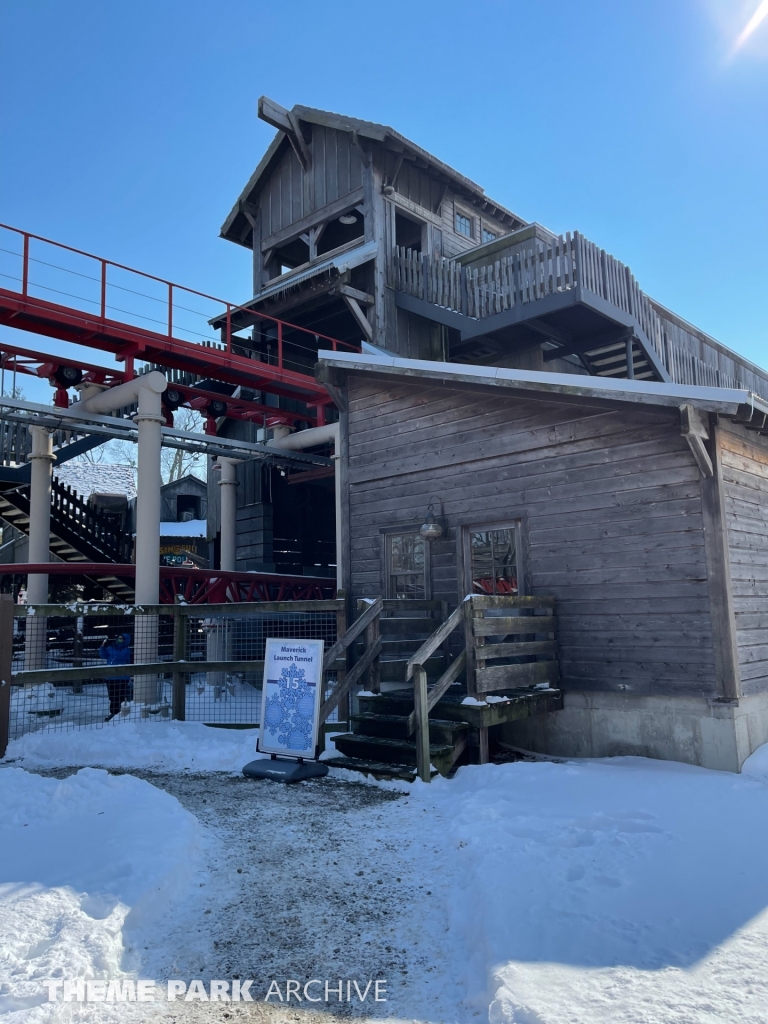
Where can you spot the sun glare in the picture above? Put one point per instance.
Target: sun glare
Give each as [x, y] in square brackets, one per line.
[757, 18]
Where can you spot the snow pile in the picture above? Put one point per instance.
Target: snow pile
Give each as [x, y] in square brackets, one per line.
[87, 865]
[756, 766]
[623, 890]
[155, 745]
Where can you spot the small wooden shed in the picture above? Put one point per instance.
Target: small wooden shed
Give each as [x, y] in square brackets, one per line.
[639, 505]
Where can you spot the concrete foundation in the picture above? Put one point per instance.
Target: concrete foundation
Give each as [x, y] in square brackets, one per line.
[693, 730]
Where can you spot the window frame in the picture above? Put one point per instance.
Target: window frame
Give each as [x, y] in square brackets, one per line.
[516, 523]
[458, 211]
[487, 231]
[386, 534]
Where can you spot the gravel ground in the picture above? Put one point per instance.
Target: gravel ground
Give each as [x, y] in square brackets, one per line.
[326, 879]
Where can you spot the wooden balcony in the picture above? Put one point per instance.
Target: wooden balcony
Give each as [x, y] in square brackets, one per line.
[529, 287]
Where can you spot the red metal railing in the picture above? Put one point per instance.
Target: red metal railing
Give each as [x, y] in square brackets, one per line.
[165, 311]
[194, 586]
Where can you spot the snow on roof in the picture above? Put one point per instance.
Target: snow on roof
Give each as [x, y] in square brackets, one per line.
[89, 478]
[191, 528]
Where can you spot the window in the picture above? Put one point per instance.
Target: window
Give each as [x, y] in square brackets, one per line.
[488, 236]
[406, 566]
[493, 561]
[408, 233]
[187, 507]
[463, 224]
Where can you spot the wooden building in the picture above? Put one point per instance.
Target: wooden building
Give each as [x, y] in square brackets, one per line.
[639, 507]
[573, 433]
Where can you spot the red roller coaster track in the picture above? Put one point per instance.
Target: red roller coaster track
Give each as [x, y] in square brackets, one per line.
[38, 265]
[194, 586]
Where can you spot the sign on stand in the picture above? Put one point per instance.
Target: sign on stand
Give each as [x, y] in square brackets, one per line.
[290, 700]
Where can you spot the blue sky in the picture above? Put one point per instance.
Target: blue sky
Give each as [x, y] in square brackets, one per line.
[129, 128]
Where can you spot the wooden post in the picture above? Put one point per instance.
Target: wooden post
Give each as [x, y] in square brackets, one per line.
[422, 723]
[726, 652]
[469, 641]
[484, 757]
[6, 659]
[179, 697]
[372, 634]
[344, 707]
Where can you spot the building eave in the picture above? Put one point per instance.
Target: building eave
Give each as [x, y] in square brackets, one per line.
[727, 401]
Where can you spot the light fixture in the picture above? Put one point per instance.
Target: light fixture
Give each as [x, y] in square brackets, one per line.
[348, 218]
[432, 528]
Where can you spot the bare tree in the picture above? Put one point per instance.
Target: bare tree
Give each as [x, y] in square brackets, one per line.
[175, 463]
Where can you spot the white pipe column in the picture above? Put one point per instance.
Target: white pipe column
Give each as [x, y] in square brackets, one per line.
[149, 420]
[330, 433]
[217, 645]
[41, 470]
[228, 485]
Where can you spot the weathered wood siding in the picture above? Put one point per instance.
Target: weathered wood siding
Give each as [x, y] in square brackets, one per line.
[610, 501]
[744, 461]
[335, 171]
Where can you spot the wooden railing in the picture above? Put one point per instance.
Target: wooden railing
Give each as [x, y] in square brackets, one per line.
[537, 269]
[70, 509]
[525, 655]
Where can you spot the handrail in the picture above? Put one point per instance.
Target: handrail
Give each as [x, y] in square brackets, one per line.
[332, 655]
[429, 647]
[352, 633]
[424, 698]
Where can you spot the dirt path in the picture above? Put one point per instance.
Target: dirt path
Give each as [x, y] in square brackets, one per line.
[323, 880]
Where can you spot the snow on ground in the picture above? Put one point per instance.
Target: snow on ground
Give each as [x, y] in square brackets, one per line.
[150, 745]
[88, 866]
[621, 891]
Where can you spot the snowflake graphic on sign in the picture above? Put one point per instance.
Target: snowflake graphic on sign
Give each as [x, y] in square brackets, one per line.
[289, 712]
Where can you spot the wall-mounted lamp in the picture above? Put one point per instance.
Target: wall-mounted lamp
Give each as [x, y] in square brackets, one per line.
[348, 218]
[432, 528]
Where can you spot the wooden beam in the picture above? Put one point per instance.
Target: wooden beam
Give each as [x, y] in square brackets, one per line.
[310, 474]
[355, 293]
[287, 123]
[312, 220]
[443, 189]
[359, 316]
[396, 172]
[562, 337]
[578, 346]
[726, 652]
[696, 432]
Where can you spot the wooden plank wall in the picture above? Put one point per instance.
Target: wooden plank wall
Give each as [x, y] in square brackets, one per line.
[744, 461]
[610, 501]
[336, 170]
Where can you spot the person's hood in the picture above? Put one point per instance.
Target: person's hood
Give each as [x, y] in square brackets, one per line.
[127, 638]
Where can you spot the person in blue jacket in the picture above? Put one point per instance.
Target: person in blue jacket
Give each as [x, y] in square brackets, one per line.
[118, 652]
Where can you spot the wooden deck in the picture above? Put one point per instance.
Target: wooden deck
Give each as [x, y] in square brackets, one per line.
[576, 296]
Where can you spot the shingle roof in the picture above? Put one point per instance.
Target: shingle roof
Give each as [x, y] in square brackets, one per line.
[89, 478]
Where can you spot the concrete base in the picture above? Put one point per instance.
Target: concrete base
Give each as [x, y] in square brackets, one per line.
[689, 729]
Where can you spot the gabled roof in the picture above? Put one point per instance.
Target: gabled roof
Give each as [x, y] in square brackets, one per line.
[381, 133]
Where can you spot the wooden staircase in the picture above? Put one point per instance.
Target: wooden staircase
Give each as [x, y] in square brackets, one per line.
[386, 738]
[79, 533]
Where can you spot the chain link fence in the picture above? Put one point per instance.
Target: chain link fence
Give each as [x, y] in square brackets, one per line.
[77, 666]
